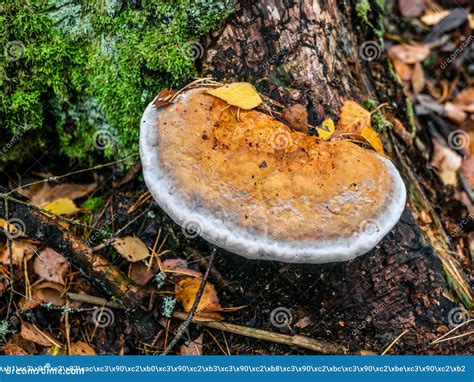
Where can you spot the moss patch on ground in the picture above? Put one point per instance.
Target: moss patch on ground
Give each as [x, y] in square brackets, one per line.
[81, 72]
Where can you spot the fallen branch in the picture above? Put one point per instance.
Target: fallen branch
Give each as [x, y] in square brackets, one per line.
[95, 268]
[264, 335]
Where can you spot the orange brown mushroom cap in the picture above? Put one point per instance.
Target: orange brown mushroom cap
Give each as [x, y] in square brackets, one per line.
[249, 184]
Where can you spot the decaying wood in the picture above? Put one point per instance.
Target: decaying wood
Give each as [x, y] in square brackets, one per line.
[309, 52]
[95, 268]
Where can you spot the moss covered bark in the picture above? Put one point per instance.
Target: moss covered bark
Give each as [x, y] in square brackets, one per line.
[81, 72]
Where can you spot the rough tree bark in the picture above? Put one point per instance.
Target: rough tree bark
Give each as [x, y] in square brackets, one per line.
[309, 52]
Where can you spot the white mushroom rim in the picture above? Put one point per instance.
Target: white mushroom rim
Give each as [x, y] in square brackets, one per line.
[246, 244]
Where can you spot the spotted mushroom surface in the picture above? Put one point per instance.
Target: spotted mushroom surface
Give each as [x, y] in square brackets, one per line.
[249, 184]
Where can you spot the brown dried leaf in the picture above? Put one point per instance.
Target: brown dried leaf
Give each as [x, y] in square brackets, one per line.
[140, 274]
[17, 345]
[446, 161]
[465, 100]
[467, 168]
[193, 347]
[411, 8]
[21, 249]
[46, 292]
[297, 117]
[31, 333]
[51, 266]
[303, 322]
[131, 248]
[454, 113]
[43, 193]
[418, 79]
[410, 54]
[403, 70]
[81, 348]
[432, 18]
[164, 97]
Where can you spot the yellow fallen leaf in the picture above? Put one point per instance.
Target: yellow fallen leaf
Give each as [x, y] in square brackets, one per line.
[241, 94]
[373, 139]
[131, 248]
[186, 290]
[353, 118]
[326, 130]
[61, 206]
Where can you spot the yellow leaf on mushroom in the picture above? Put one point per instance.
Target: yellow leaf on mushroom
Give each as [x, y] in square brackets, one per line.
[61, 206]
[131, 248]
[373, 139]
[241, 94]
[326, 130]
[354, 119]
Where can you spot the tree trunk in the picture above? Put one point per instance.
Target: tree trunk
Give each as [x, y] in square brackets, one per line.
[319, 53]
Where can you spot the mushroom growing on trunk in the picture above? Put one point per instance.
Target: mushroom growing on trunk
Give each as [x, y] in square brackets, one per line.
[248, 183]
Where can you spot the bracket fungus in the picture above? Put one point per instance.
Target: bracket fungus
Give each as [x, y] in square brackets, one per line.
[246, 182]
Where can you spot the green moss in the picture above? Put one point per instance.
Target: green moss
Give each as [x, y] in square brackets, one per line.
[94, 204]
[82, 71]
[362, 9]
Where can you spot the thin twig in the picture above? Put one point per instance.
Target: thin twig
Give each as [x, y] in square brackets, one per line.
[265, 335]
[93, 300]
[182, 328]
[394, 342]
[55, 178]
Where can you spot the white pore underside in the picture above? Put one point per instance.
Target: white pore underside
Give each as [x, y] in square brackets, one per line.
[251, 245]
